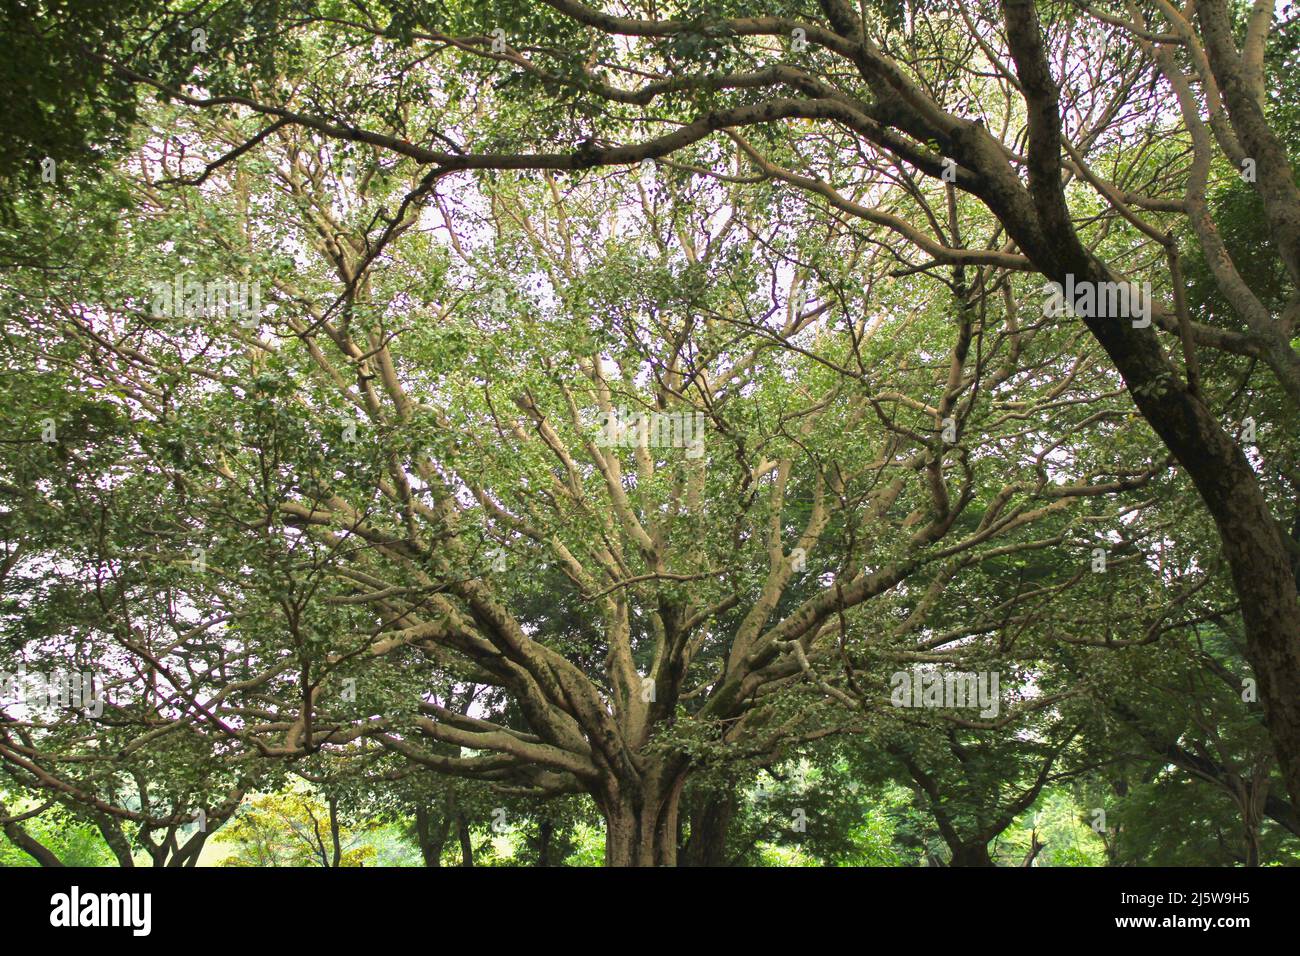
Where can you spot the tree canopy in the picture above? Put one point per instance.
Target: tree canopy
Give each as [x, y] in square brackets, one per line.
[665, 434]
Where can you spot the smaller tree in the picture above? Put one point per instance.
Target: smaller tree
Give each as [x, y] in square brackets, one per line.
[294, 829]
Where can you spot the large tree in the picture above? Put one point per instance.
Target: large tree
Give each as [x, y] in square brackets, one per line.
[402, 467]
[1028, 110]
[591, 448]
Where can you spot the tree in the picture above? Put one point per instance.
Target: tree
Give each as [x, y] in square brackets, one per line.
[707, 524]
[679, 462]
[728, 71]
[294, 829]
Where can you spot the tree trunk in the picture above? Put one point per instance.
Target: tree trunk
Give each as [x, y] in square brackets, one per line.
[431, 836]
[971, 854]
[710, 818]
[1262, 575]
[336, 855]
[188, 854]
[1252, 846]
[545, 831]
[466, 844]
[641, 821]
[1035, 847]
[116, 840]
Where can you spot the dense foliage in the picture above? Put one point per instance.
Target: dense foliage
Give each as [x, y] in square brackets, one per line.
[534, 433]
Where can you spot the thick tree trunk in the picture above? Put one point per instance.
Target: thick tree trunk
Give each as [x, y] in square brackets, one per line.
[641, 821]
[1253, 540]
[117, 841]
[710, 819]
[188, 855]
[971, 854]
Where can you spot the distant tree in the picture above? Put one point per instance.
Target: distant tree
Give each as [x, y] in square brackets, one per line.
[294, 829]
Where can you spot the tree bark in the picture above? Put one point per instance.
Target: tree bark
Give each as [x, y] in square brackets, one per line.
[33, 847]
[1251, 538]
[641, 820]
[116, 840]
[188, 854]
[971, 854]
[710, 819]
[336, 848]
[466, 844]
[1035, 848]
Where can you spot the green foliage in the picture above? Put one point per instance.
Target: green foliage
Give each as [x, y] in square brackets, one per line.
[292, 829]
[373, 538]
